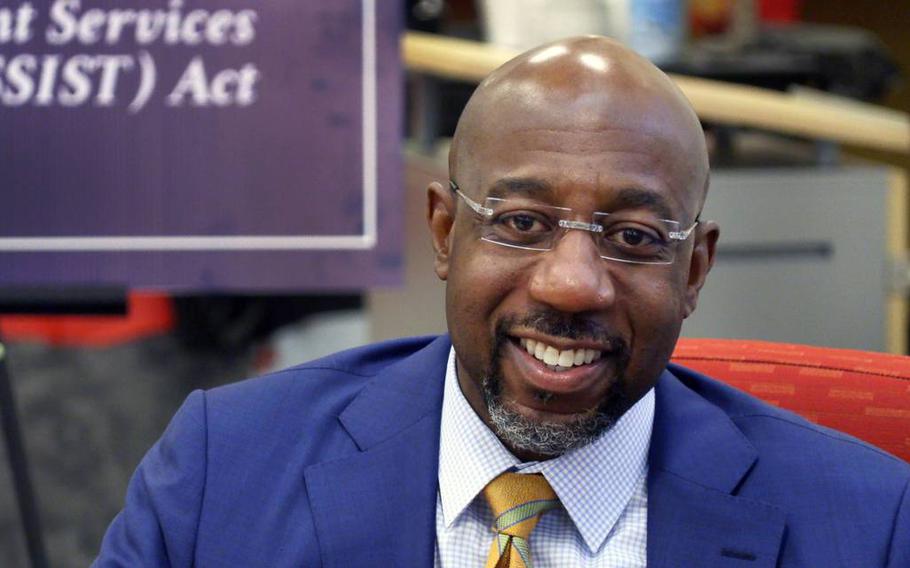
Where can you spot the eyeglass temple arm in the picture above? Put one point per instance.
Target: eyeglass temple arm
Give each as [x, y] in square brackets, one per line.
[683, 235]
[477, 207]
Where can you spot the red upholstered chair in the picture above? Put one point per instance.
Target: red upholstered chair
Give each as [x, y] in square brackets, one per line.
[862, 393]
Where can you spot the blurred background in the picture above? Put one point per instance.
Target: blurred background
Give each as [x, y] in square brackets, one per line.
[268, 209]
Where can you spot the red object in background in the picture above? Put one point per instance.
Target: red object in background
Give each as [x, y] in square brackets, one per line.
[148, 313]
[862, 393]
[710, 17]
[779, 11]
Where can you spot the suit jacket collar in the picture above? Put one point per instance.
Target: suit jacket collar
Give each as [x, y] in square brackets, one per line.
[698, 460]
[378, 507]
[401, 395]
[695, 440]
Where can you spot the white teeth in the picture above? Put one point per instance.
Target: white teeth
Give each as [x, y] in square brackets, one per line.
[555, 358]
[551, 356]
[579, 356]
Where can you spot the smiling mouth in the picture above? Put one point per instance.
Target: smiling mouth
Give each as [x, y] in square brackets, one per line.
[559, 359]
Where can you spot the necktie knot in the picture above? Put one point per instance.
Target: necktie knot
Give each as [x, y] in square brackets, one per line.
[517, 502]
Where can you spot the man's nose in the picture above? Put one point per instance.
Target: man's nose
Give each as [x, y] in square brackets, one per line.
[572, 277]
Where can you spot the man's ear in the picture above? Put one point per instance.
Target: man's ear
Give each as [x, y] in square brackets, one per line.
[441, 219]
[702, 260]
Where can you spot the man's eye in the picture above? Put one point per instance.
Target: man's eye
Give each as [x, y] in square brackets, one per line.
[524, 223]
[634, 237]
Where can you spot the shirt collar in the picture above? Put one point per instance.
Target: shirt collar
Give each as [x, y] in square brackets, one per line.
[594, 482]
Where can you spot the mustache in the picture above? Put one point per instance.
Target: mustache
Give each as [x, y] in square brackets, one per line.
[568, 326]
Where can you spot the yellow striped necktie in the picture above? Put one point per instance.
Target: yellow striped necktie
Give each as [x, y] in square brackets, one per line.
[517, 502]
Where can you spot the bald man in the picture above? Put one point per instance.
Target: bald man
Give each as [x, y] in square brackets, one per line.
[547, 428]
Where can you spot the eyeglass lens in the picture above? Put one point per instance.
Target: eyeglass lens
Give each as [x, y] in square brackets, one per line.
[634, 237]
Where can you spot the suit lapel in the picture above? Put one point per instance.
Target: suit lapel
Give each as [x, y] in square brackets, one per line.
[698, 458]
[378, 507]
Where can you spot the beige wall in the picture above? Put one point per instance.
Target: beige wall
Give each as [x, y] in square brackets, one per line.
[417, 308]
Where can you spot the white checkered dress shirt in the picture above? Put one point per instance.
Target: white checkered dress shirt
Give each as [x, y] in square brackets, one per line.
[602, 487]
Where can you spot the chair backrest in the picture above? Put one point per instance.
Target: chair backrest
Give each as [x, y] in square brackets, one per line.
[862, 393]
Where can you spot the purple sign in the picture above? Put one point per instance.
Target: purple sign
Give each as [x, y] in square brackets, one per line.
[225, 144]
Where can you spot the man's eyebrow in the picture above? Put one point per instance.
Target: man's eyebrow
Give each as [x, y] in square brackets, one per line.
[625, 198]
[525, 187]
[635, 197]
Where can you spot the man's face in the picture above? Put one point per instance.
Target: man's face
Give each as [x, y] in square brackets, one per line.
[567, 299]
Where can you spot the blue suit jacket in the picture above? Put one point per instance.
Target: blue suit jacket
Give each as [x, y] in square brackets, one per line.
[334, 464]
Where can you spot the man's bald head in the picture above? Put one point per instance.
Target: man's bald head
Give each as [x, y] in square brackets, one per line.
[587, 83]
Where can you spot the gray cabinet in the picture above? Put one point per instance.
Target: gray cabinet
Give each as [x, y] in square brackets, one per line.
[806, 255]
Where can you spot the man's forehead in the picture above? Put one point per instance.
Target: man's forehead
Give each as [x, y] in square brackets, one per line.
[602, 197]
[625, 197]
[577, 104]
[591, 168]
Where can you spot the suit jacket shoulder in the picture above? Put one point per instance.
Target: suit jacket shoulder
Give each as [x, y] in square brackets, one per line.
[300, 400]
[836, 501]
[243, 476]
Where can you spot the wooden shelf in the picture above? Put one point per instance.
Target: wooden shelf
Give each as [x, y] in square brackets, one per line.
[824, 117]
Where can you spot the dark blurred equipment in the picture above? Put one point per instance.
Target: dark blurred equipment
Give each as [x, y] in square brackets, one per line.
[63, 300]
[42, 300]
[424, 15]
[232, 323]
[148, 313]
[846, 61]
[226, 325]
[15, 449]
